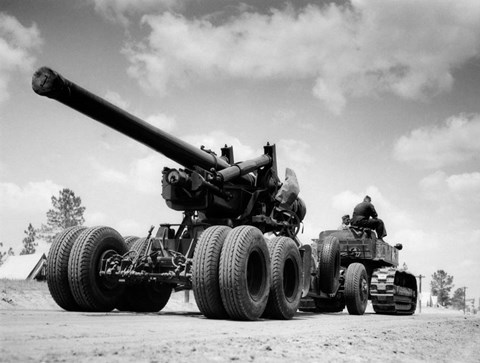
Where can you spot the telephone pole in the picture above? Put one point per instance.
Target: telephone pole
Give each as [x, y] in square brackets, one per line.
[464, 299]
[420, 293]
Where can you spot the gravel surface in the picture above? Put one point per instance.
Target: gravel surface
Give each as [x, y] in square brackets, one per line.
[34, 329]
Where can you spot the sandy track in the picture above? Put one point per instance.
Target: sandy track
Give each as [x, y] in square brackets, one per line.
[34, 329]
[55, 335]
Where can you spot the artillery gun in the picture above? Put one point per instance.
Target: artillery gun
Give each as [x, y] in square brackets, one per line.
[355, 266]
[218, 250]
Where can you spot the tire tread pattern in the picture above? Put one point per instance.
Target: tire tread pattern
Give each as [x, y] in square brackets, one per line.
[82, 270]
[205, 272]
[233, 264]
[278, 307]
[57, 268]
[355, 273]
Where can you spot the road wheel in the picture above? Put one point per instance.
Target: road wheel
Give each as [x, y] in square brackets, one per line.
[135, 243]
[57, 268]
[148, 297]
[285, 289]
[245, 273]
[130, 240]
[90, 290]
[335, 305]
[205, 273]
[356, 289]
[329, 265]
[145, 296]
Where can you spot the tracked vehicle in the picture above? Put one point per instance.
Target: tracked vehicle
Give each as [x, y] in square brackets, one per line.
[355, 266]
[237, 245]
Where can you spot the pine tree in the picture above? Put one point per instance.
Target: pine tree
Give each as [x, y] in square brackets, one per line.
[441, 285]
[29, 243]
[3, 254]
[67, 212]
[458, 299]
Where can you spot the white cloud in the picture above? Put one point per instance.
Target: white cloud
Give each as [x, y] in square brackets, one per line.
[294, 152]
[16, 45]
[405, 47]
[394, 217]
[121, 10]
[33, 197]
[467, 183]
[217, 139]
[163, 122]
[460, 188]
[144, 174]
[454, 142]
[116, 99]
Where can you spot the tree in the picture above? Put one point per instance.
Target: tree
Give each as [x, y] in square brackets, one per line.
[67, 212]
[3, 254]
[441, 285]
[29, 243]
[458, 299]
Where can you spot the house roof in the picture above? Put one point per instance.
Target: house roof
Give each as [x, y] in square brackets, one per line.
[24, 267]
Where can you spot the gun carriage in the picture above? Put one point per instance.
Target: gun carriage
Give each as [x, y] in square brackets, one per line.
[218, 249]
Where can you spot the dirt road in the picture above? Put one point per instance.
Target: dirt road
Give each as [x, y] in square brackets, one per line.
[45, 333]
[54, 336]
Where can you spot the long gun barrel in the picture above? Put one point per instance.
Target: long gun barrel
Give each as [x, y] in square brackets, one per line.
[49, 83]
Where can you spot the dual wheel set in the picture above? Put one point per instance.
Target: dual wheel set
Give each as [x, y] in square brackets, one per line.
[236, 274]
[73, 273]
[349, 285]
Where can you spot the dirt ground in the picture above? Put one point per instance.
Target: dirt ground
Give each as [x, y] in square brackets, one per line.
[34, 329]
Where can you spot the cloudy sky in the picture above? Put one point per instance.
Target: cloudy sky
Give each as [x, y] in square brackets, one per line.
[361, 97]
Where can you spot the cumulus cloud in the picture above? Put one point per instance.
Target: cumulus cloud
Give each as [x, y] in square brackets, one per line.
[121, 10]
[16, 46]
[295, 152]
[397, 218]
[463, 188]
[217, 139]
[162, 121]
[144, 174]
[33, 197]
[453, 142]
[116, 99]
[406, 47]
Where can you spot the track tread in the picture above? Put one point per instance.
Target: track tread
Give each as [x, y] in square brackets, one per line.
[391, 303]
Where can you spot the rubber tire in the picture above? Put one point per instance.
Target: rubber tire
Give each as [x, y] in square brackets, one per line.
[148, 297]
[334, 305]
[124, 301]
[286, 287]
[329, 265]
[245, 273]
[130, 240]
[145, 297]
[356, 289]
[57, 268]
[88, 288]
[205, 272]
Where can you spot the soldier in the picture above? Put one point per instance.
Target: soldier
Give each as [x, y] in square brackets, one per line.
[365, 215]
[345, 222]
